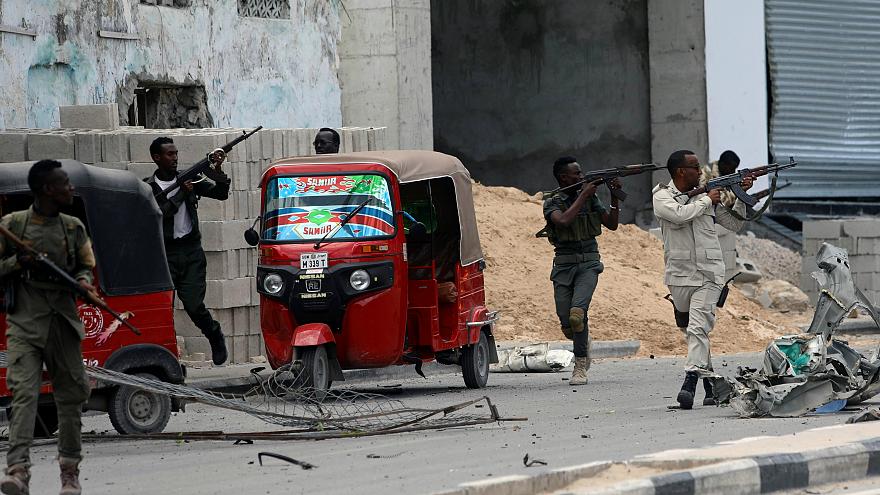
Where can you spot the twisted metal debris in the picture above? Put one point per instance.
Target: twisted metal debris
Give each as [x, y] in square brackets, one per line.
[312, 414]
[812, 371]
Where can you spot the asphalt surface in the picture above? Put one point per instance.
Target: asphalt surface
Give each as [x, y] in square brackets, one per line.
[621, 413]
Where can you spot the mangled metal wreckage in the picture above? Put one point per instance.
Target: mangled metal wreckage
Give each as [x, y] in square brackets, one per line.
[812, 371]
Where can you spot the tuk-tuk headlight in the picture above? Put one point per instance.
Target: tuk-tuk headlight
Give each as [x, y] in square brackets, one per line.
[359, 280]
[273, 283]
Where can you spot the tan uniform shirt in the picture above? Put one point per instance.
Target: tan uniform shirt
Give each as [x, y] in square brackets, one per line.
[690, 244]
[37, 301]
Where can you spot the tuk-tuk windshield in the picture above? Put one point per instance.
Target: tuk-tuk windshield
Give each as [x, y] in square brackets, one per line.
[309, 207]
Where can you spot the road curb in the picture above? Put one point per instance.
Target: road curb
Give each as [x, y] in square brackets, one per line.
[758, 474]
[242, 379]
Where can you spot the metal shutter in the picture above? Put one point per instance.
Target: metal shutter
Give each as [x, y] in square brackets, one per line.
[824, 61]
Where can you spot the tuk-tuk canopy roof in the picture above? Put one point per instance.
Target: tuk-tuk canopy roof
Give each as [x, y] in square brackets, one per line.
[123, 220]
[413, 166]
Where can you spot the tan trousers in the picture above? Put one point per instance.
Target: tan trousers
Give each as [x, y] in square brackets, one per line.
[699, 302]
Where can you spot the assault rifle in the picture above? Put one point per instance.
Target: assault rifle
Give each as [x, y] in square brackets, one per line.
[606, 175]
[734, 180]
[766, 192]
[203, 164]
[65, 277]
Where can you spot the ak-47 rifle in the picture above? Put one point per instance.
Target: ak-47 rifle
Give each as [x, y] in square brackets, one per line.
[65, 277]
[203, 164]
[606, 175]
[733, 181]
[766, 192]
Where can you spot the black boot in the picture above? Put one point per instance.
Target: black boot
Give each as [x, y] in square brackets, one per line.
[710, 393]
[218, 347]
[688, 390]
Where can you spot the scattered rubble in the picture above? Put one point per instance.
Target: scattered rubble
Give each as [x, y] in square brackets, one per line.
[774, 261]
[813, 371]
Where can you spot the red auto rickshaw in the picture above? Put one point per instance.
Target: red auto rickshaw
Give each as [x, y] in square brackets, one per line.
[368, 260]
[132, 276]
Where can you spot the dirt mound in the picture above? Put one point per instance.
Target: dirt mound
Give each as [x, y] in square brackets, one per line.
[628, 304]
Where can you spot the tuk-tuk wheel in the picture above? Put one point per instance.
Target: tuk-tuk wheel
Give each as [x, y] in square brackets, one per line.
[475, 363]
[315, 371]
[46, 423]
[135, 411]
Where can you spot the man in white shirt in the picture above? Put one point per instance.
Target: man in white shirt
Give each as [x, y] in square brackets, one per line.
[183, 246]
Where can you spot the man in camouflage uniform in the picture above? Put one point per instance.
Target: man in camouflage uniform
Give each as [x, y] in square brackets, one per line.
[44, 325]
[574, 218]
[726, 165]
[694, 264]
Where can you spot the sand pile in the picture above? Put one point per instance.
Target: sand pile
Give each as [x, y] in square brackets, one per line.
[628, 303]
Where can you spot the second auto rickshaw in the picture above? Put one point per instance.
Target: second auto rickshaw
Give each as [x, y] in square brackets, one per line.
[369, 260]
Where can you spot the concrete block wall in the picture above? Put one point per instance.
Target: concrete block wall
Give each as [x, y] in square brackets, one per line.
[231, 295]
[860, 237]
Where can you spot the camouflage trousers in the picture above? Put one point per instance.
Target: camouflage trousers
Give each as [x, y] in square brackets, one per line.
[62, 356]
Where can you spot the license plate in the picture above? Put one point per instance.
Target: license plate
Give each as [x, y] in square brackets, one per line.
[309, 261]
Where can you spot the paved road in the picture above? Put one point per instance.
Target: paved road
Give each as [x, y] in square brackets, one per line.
[621, 413]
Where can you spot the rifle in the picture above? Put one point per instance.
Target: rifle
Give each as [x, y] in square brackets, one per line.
[734, 180]
[203, 164]
[766, 192]
[605, 175]
[65, 277]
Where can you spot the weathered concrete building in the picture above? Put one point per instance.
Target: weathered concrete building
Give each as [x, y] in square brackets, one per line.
[186, 63]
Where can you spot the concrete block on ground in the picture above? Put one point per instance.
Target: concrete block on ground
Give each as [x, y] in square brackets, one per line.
[240, 177]
[345, 135]
[239, 350]
[87, 147]
[267, 143]
[185, 327]
[822, 229]
[811, 246]
[847, 243]
[240, 317]
[359, 139]
[255, 346]
[213, 210]
[288, 142]
[222, 265]
[114, 166]
[254, 323]
[867, 281]
[104, 116]
[142, 170]
[864, 263]
[277, 144]
[198, 344]
[862, 227]
[114, 147]
[255, 147]
[221, 236]
[13, 146]
[193, 147]
[230, 293]
[867, 245]
[139, 146]
[55, 146]
[253, 204]
[304, 142]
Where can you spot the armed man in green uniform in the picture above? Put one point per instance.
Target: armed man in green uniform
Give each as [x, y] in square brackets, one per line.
[44, 325]
[574, 219]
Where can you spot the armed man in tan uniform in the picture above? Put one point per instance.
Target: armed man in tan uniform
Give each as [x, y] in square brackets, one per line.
[44, 325]
[727, 164]
[694, 264]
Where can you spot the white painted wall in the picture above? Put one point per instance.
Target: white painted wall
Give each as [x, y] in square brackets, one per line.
[736, 81]
[275, 73]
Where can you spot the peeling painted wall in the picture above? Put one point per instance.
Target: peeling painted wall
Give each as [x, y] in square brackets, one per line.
[276, 73]
[518, 83]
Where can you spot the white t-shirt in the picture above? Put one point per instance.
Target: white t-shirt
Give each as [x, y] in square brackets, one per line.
[182, 222]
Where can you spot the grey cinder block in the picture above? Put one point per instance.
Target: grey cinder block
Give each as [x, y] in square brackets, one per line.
[55, 145]
[104, 116]
[822, 229]
[229, 293]
[13, 146]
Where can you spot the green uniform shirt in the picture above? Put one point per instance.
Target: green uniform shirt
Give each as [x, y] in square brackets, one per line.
[37, 299]
[580, 236]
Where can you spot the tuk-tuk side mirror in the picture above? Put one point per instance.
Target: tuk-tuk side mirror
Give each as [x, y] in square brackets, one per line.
[251, 237]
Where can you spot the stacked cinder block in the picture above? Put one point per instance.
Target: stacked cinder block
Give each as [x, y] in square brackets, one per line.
[91, 134]
[861, 239]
